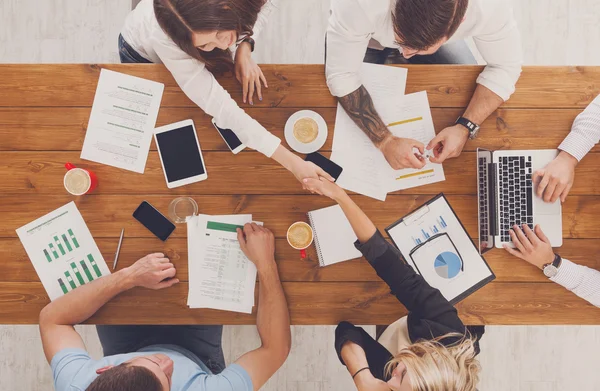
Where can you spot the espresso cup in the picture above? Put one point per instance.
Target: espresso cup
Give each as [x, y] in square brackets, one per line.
[79, 181]
[300, 237]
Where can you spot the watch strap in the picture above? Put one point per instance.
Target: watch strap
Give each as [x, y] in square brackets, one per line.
[251, 41]
[470, 125]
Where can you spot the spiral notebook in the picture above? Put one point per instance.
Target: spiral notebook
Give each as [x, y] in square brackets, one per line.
[333, 236]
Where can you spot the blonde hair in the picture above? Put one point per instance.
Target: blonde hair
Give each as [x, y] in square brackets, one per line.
[432, 366]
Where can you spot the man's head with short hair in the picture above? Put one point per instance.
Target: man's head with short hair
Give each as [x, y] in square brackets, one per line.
[143, 373]
[422, 26]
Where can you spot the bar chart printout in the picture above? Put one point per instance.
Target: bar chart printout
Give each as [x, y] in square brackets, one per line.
[62, 250]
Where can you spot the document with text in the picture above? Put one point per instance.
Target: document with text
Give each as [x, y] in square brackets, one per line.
[122, 121]
[221, 276]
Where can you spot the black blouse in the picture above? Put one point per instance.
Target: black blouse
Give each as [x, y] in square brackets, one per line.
[430, 315]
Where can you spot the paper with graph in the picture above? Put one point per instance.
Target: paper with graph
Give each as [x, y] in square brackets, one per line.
[62, 251]
[365, 169]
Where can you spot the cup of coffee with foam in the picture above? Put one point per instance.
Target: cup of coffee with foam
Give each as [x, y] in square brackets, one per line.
[79, 181]
[300, 236]
[306, 130]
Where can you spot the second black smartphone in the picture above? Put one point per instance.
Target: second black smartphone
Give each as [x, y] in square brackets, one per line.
[327, 165]
[155, 221]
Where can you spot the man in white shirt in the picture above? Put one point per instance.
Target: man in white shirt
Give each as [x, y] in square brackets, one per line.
[556, 179]
[419, 28]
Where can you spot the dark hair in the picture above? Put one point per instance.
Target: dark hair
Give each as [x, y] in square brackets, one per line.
[420, 24]
[179, 19]
[126, 377]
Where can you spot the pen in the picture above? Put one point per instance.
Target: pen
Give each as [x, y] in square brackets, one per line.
[118, 249]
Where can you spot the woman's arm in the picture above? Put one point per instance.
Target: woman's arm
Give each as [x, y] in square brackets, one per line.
[430, 314]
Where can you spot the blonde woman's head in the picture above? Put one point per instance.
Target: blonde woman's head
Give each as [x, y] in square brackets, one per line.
[431, 366]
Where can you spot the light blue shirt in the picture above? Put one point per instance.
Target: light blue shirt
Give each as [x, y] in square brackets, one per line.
[74, 370]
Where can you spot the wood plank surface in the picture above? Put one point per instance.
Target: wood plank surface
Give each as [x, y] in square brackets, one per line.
[63, 128]
[247, 173]
[298, 85]
[106, 215]
[291, 266]
[318, 303]
[44, 111]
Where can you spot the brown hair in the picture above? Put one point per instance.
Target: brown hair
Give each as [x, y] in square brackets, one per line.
[420, 24]
[179, 19]
[126, 377]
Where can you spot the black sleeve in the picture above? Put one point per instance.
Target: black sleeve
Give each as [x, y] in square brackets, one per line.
[377, 355]
[430, 314]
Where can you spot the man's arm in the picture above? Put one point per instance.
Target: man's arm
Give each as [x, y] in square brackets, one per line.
[58, 318]
[556, 179]
[397, 151]
[273, 319]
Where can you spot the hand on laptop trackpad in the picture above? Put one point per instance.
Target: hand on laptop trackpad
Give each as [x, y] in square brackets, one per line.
[545, 208]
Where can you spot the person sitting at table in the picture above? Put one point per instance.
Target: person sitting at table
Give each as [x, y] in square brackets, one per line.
[556, 179]
[162, 358]
[430, 349]
[193, 38]
[421, 32]
[534, 247]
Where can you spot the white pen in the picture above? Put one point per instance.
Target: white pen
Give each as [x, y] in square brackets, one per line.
[118, 249]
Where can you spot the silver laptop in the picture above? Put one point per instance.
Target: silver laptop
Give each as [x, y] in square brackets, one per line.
[506, 196]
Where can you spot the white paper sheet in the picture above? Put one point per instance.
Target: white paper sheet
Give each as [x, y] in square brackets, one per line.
[365, 169]
[122, 121]
[221, 277]
[62, 250]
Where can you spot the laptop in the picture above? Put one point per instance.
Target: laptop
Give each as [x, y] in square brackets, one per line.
[506, 196]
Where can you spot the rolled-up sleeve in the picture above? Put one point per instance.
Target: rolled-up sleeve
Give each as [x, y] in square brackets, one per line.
[348, 35]
[203, 89]
[500, 46]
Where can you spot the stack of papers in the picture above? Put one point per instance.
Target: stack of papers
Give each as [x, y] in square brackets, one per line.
[366, 170]
[220, 275]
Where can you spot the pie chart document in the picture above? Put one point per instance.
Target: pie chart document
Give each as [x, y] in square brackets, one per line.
[434, 242]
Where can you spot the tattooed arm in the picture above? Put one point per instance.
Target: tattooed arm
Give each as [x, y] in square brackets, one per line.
[397, 151]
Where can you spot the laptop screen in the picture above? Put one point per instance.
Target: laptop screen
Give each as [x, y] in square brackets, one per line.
[484, 200]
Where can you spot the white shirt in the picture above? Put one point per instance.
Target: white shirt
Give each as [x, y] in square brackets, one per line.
[145, 35]
[581, 280]
[585, 132]
[355, 25]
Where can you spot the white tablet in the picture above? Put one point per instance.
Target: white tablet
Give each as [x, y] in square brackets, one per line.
[180, 155]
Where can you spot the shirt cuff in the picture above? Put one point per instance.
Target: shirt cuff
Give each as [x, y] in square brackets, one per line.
[341, 85]
[374, 247]
[268, 144]
[576, 145]
[502, 91]
[568, 276]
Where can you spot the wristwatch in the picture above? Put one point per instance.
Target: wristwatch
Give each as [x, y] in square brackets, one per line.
[250, 41]
[551, 269]
[472, 127]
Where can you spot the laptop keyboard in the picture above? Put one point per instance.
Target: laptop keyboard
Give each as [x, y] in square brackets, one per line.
[515, 194]
[483, 199]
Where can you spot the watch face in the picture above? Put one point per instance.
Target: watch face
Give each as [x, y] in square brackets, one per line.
[550, 271]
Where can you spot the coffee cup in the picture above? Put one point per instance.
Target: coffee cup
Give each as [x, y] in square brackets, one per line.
[79, 181]
[306, 130]
[300, 236]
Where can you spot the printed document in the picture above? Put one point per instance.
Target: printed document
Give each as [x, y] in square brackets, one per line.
[122, 121]
[62, 251]
[366, 170]
[220, 275]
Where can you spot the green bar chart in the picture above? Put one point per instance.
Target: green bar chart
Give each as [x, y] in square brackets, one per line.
[86, 270]
[73, 238]
[62, 286]
[77, 273]
[70, 280]
[94, 266]
[62, 245]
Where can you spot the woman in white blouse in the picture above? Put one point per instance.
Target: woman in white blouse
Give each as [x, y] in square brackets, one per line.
[192, 38]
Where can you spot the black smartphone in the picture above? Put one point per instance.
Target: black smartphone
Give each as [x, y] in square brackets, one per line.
[230, 138]
[327, 165]
[155, 221]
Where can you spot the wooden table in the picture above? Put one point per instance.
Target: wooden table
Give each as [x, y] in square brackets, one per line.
[44, 110]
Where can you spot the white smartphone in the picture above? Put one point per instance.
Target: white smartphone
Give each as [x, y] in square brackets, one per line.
[180, 154]
[232, 141]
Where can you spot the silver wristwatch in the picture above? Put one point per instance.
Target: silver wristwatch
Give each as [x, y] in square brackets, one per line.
[551, 269]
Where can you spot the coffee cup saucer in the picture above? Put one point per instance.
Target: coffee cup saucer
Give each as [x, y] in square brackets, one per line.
[301, 147]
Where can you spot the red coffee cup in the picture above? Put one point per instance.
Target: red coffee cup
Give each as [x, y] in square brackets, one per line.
[79, 181]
